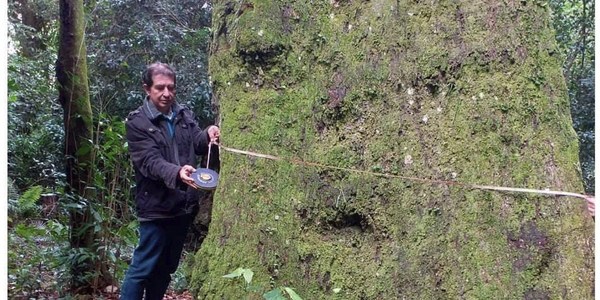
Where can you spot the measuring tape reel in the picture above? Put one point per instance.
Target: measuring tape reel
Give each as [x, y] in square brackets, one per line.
[205, 179]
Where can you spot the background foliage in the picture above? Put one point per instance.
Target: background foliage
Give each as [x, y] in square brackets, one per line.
[574, 24]
[122, 37]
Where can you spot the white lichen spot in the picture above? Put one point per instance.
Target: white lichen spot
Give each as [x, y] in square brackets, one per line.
[261, 33]
[439, 109]
[454, 174]
[276, 218]
[331, 16]
[481, 95]
[408, 160]
[410, 91]
[247, 84]
[425, 118]
[228, 83]
[349, 27]
[411, 102]
[411, 14]
[474, 98]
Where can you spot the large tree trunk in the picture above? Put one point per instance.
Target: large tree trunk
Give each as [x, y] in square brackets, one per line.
[71, 72]
[450, 90]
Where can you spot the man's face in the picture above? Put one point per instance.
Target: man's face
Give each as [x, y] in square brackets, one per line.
[162, 92]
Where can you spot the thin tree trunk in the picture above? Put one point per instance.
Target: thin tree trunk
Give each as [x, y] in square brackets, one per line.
[445, 90]
[71, 72]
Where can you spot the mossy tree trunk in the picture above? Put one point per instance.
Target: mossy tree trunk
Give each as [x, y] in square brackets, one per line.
[451, 90]
[71, 73]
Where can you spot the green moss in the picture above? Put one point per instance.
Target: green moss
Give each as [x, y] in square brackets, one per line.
[449, 91]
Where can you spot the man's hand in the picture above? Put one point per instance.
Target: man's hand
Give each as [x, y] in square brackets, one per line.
[185, 174]
[591, 205]
[214, 133]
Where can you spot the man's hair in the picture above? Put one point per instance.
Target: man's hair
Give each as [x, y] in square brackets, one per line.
[157, 68]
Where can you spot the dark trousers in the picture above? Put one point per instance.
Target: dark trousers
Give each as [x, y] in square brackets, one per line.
[155, 258]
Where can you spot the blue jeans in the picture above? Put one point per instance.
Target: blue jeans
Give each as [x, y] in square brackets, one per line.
[155, 258]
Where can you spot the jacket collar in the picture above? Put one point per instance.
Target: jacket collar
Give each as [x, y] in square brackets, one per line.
[152, 112]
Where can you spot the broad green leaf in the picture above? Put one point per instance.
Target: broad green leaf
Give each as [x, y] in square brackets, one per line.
[274, 294]
[84, 150]
[73, 205]
[292, 294]
[237, 273]
[248, 274]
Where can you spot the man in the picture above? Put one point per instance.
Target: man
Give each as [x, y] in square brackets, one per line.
[164, 141]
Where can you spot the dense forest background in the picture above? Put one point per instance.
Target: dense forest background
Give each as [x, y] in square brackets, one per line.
[122, 36]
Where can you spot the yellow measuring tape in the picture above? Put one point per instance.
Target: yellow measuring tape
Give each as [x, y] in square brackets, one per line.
[471, 186]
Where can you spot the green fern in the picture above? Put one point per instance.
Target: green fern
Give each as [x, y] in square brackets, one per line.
[27, 203]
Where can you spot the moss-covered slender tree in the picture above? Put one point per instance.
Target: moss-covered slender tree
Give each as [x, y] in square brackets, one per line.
[71, 73]
[466, 91]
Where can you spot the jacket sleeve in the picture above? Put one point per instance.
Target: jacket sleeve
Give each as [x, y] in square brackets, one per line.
[200, 137]
[146, 157]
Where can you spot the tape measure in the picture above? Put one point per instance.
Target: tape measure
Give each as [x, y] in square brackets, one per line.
[205, 179]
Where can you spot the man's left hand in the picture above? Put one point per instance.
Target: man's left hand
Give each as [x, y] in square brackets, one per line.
[591, 204]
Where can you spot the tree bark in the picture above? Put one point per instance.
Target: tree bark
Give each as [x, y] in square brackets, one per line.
[446, 90]
[71, 73]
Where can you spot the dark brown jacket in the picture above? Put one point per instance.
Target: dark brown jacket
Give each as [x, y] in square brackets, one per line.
[157, 158]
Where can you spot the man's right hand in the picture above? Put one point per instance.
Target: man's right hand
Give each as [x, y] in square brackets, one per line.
[185, 174]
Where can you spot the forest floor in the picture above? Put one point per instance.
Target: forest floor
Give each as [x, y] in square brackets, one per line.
[36, 265]
[170, 295]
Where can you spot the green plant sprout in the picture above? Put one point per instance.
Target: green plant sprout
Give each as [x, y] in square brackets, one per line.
[274, 294]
